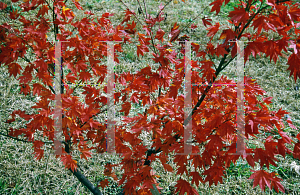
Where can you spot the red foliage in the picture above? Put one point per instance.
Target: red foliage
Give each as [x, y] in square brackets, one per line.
[214, 108]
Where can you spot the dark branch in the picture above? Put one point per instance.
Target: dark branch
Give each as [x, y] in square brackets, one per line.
[86, 182]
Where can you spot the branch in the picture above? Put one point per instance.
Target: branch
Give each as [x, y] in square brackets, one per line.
[95, 190]
[92, 117]
[145, 9]
[193, 19]
[249, 21]
[133, 12]
[21, 140]
[27, 60]
[162, 9]
[142, 9]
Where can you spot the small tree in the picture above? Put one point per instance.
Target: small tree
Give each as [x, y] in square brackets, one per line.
[85, 45]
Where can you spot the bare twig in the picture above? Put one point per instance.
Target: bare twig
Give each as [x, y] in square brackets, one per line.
[142, 9]
[133, 12]
[163, 8]
[145, 9]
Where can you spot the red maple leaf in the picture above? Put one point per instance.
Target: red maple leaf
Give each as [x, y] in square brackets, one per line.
[103, 183]
[206, 21]
[213, 30]
[2, 5]
[294, 67]
[69, 162]
[196, 178]
[160, 34]
[174, 32]
[126, 108]
[85, 76]
[25, 89]
[14, 69]
[239, 15]
[130, 28]
[127, 17]
[263, 178]
[216, 6]
[141, 49]
[183, 186]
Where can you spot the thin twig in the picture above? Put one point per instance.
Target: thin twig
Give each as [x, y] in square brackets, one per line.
[162, 9]
[145, 9]
[21, 140]
[141, 9]
[92, 117]
[132, 12]
[193, 19]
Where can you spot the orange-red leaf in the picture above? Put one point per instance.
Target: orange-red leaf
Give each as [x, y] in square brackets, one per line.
[263, 178]
[183, 186]
[69, 162]
[294, 62]
[126, 108]
[103, 183]
[239, 15]
[160, 34]
[2, 5]
[213, 30]
[14, 69]
[206, 21]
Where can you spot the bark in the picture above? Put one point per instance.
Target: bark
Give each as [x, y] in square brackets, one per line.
[94, 189]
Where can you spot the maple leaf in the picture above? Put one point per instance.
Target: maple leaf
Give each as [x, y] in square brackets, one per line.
[273, 50]
[239, 15]
[206, 21]
[208, 72]
[25, 89]
[14, 14]
[216, 6]
[266, 157]
[183, 186]
[126, 108]
[71, 78]
[220, 50]
[43, 10]
[294, 13]
[196, 178]
[127, 17]
[212, 31]
[263, 178]
[227, 34]
[39, 153]
[174, 32]
[296, 152]
[160, 34]
[2, 5]
[294, 62]
[81, 65]
[69, 162]
[275, 183]
[103, 183]
[85, 153]
[14, 69]
[260, 23]
[194, 26]
[214, 175]
[77, 4]
[37, 88]
[85, 76]
[130, 28]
